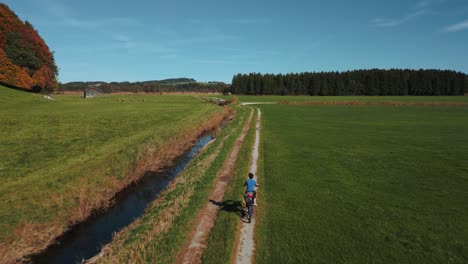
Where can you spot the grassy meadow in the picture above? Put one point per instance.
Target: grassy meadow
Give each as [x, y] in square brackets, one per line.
[62, 158]
[363, 184]
[340, 183]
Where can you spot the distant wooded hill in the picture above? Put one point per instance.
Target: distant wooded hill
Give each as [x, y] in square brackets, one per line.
[167, 85]
[358, 82]
[25, 59]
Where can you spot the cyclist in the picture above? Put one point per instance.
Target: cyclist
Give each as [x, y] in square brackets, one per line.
[250, 185]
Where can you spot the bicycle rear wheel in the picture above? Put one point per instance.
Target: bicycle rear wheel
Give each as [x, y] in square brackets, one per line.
[250, 212]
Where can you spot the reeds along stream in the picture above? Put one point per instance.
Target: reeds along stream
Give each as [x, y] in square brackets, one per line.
[86, 239]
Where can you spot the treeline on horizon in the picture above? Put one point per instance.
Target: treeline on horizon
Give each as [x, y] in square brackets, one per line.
[167, 85]
[357, 82]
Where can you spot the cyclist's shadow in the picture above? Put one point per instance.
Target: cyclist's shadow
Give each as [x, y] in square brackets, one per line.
[231, 206]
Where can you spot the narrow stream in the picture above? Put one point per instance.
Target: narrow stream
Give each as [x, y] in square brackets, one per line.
[86, 240]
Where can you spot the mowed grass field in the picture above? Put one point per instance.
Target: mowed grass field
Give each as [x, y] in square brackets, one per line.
[59, 156]
[363, 184]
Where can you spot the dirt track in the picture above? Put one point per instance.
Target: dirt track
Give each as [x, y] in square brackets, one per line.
[195, 244]
[245, 244]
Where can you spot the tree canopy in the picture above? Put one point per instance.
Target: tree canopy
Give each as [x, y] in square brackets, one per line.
[25, 59]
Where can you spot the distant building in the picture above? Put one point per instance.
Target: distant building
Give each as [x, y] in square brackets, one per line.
[91, 91]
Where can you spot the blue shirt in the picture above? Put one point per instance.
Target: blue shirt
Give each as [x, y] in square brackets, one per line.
[250, 183]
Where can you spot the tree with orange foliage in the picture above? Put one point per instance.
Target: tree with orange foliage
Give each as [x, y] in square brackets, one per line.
[25, 59]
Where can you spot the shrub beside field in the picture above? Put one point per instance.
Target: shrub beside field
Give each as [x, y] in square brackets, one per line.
[360, 184]
[64, 158]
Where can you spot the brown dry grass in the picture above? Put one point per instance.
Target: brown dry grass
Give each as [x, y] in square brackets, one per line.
[234, 100]
[20, 246]
[154, 158]
[162, 222]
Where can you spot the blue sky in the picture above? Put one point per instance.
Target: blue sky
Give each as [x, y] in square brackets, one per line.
[213, 40]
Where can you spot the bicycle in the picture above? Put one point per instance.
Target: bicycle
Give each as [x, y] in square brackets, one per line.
[249, 204]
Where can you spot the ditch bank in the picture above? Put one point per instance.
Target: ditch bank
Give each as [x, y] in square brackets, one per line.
[95, 227]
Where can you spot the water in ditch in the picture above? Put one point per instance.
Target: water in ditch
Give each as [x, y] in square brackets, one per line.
[86, 239]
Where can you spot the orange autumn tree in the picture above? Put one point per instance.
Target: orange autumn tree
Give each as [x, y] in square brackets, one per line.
[25, 59]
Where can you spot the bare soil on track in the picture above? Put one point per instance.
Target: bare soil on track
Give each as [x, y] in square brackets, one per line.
[245, 242]
[195, 243]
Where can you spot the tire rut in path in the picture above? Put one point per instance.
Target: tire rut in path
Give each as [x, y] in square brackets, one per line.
[245, 244]
[195, 244]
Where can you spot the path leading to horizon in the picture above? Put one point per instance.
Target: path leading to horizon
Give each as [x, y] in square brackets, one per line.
[196, 241]
[245, 245]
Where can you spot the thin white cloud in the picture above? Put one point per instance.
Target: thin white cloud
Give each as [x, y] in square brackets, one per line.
[392, 22]
[421, 8]
[100, 23]
[117, 41]
[457, 27]
[58, 13]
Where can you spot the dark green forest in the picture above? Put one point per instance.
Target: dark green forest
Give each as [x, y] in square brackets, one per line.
[358, 82]
[157, 86]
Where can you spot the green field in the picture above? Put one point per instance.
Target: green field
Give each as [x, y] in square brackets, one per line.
[62, 158]
[363, 184]
[340, 183]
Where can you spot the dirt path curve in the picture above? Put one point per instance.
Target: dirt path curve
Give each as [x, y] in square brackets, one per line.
[245, 244]
[195, 244]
